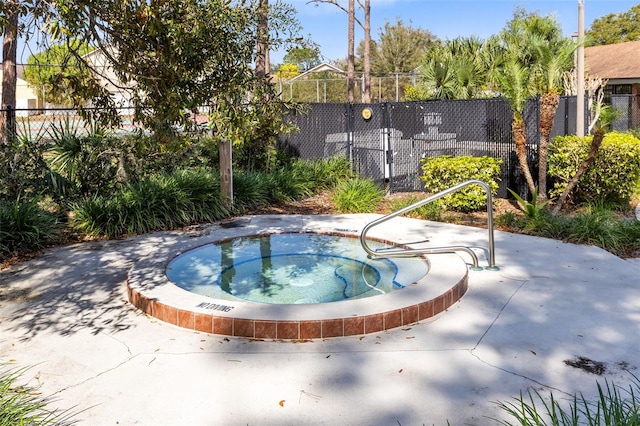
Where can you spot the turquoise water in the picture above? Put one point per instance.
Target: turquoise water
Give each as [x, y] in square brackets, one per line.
[291, 268]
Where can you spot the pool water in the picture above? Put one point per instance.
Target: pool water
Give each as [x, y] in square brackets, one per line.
[291, 268]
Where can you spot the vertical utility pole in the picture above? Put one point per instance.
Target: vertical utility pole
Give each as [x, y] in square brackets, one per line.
[351, 52]
[580, 73]
[367, 52]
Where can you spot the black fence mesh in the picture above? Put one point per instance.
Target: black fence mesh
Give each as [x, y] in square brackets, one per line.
[388, 142]
[389, 145]
[627, 111]
[384, 141]
[319, 131]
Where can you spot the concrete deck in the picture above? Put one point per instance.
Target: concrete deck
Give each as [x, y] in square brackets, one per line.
[66, 314]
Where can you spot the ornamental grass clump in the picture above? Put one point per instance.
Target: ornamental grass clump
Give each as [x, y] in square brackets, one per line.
[357, 196]
[24, 226]
[614, 406]
[23, 405]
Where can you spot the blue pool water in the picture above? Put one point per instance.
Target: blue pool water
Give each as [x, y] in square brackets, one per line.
[291, 268]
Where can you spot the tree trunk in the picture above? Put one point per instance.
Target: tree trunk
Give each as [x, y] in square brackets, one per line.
[598, 136]
[350, 52]
[520, 138]
[367, 51]
[548, 107]
[9, 77]
[262, 54]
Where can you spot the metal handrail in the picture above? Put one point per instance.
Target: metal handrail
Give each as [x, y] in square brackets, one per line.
[435, 250]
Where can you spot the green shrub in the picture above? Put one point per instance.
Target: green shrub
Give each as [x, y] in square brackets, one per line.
[613, 175]
[88, 164]
[251, 191]
[299, 179]
[24, 226]
[324, 173]
[161, 202]
[357, 196]
[24, 172]
[444, 172]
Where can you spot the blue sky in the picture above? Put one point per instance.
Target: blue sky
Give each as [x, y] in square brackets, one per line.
[447, 19]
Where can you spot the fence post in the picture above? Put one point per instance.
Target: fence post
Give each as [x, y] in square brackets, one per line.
[388, 147]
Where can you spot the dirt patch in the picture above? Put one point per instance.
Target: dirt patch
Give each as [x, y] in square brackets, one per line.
[323, 204]
[586, 364]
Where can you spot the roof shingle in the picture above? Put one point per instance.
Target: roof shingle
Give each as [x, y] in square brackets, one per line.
[613, 61]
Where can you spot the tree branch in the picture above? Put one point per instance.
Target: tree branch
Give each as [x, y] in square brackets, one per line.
[339, 6]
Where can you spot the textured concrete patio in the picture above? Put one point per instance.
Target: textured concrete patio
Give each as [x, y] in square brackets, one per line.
[66, 314]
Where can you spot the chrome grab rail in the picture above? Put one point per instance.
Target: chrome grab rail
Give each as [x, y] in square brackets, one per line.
[434, 250]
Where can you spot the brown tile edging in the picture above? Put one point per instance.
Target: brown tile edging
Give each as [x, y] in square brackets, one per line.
[150, 291]
[299, 329]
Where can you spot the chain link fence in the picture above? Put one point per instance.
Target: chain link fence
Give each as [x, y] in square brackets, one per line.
[334, 90]
[43, 124]
[389, 145]
[384, 141]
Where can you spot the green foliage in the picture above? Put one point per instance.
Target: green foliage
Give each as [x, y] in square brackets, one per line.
[324, 173]
[444, 172]
[304, 57]
[614, 406]
[24, 226]
[51, 71]
[595, 224]
[613, 176]
[529, 57]
[399, 48]
[251, 127]
[253, 190]
[615, 27]
[530, 209]
[161, 202]
[456, 69]
[357, 196]
[179, 54]
[88, 163]
[250, 191]
[168, 200]
[24, 172]
[22, 405]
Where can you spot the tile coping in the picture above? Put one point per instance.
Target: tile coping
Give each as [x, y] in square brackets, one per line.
[151, 291]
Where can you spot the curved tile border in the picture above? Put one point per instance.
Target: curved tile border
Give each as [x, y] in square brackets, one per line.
[150, 291]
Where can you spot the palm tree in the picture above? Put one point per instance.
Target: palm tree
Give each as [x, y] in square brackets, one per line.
[456, 70]
[516, 83]
[536, 55]
[554, 58]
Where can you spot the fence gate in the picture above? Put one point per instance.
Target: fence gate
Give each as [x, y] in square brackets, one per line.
[369, 141]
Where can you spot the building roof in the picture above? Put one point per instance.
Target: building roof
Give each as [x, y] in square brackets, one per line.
[613, 61]
[323, 67]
